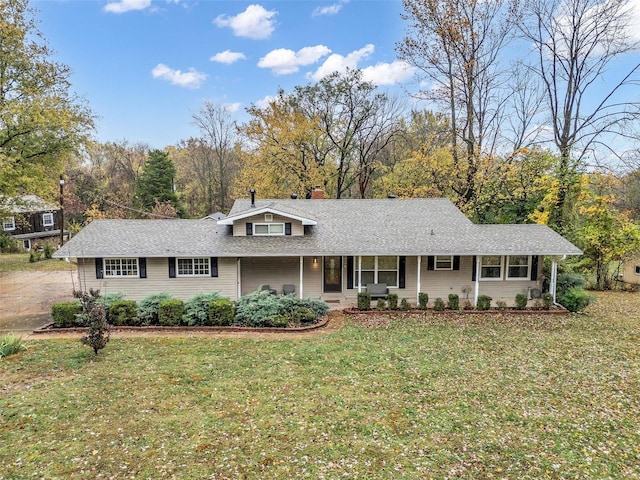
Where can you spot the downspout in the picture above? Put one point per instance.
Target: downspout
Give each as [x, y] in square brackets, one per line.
[554, 280]
[301, 274]
[477, 285]
[238, 279]
[418, 286]
[359, 273]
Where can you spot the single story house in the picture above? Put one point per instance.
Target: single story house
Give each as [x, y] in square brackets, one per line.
[319, 248]
[31, 219]
[631, 271]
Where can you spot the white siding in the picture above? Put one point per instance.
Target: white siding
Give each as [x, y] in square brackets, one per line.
[240, 227]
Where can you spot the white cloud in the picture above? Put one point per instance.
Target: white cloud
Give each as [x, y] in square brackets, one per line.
[264, 102]
[283, 61]
[387, 73]
[339, 63]
[232, 107]
[329, 10]
[227, 57]
[190, 79]
[122, 6]
[255, 22]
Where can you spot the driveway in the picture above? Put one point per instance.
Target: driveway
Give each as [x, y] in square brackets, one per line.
[26, 298]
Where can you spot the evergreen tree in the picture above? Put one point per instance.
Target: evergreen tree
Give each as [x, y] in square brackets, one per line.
[155, 184]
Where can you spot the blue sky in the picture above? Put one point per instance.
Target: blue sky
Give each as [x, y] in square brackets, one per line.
[145, 66]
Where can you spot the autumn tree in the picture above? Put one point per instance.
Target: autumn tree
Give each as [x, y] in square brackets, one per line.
[41, 121]
[576, 44]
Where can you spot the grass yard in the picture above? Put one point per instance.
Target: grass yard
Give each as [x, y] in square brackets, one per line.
[12, 262]
[475, 397]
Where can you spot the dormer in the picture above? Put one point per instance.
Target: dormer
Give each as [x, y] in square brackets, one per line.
[267, 221]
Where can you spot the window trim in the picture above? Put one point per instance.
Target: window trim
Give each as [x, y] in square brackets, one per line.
[637, 270]
[107, 274]
[482, 265]
[435, 262]
[199, 275]
[48, 215]
[507, 265]
[269, 233]
[376, 270]
[7, 221]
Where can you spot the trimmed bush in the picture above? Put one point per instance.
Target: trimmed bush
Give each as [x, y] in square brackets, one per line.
[381, 304]
[123, 312]
[364, 301]
[423, 300]
[547, 301]
[221, 312]
[262, 309]
[392, 298]
[439, 305]
[11, 344]
[149, 306]
[467, 305]
[65, 314]
[454, 302]
[170, 312]
[576, 299]
[521, 301]
[404, 305]
[304, 315]
[196, 309]
[484, 302]
[501, 304]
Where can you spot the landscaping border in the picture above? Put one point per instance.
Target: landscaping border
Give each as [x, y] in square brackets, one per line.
[491, 311]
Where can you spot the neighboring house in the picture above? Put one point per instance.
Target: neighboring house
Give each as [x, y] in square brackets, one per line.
[631, 271]
[319, 248]
[31, 219]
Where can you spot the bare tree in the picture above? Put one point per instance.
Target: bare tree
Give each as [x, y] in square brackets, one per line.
[576, 43]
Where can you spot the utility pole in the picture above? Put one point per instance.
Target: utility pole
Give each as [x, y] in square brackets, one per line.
[61, 210]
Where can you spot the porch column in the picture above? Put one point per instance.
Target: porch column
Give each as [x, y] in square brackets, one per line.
[359, 273]
[475, 295]
[301, 275]
[554, 279]
[238, 279]
[418, 287]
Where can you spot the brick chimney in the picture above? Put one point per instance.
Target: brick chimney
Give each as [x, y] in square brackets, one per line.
[317, 194]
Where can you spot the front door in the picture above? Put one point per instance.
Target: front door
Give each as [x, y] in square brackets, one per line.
[332, 274]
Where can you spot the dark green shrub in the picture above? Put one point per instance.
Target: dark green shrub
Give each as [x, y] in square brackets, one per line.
[439, 305]
[8, 244]
[364, 301]
[319, 307]
[149, 306]
[423, 300]
[576, 299]
[484, 302]
[263, 309]
[221, 312]
[170, 312]
[303, 315]
[392, 298]
[547, 301]
[404, 305]
[64, 314]
[501, 304]
[196, 309]
[521, 301]
[454, 302]
[381, 304]
[280, 321]
[567, 281]
[123, 312]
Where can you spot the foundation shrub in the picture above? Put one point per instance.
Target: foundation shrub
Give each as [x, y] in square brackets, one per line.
[196, 309]
[170, 312]
[576, 299]
[521, 301]
[149, 307]
[221, 312]
[364, 301]
[454, 302]
[467, 305]
[123, 312]
[262, 309]
[501, 305]
[392, 299]
[547, 301]
[404, 305]
[381, 304]
[484, 302]
[65, 314]
[423, 300]
[439, 305]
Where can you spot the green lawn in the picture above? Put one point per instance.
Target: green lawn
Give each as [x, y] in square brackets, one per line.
[11, 262]
[474, 397]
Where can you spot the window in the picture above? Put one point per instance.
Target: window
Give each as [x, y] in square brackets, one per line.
[193, 267]
[9, 224]
[26, 244]
[268, 228]
[47, 219]
[491, 267]
[518, 267]
[120, 267]
[378, 270]
[443, 262]
[637, 269]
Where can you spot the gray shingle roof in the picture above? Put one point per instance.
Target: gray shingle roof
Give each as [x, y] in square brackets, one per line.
[344, 227]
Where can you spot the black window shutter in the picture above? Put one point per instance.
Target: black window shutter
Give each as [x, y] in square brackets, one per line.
[172, 267]
[534, 267]
[287, 228]
[214, 266]
[99, 270]
[142, 267]
[402, 272]
[474, 269]
[249, 228]
[456, 262]
[430, 263]
[350, 272]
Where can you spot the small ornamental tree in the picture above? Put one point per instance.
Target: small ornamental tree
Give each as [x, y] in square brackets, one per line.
[95, 316]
